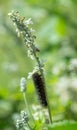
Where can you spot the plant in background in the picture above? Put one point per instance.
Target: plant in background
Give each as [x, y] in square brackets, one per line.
[23, 28]
[42, 119]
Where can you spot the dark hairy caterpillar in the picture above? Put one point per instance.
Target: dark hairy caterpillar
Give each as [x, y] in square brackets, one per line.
[40, 88]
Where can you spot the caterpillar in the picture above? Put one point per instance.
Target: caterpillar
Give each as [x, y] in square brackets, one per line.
[40, 88]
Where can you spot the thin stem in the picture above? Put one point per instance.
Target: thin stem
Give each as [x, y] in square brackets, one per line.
[29, 126]
[28, 109]
[49, 111]
[38, 61]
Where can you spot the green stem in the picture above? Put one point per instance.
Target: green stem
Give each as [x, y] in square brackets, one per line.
[28, 109]
[49, 111]
[29, 126]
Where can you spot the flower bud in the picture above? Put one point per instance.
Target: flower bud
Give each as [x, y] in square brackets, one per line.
[24, 117]
[19, 124]
[22, 84]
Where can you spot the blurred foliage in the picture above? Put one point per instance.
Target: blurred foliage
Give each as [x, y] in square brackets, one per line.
[55, 22]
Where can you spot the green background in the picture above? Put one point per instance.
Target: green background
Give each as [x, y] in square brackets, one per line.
[55, 22]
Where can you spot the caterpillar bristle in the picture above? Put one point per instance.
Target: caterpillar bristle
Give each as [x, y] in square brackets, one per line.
[40, 88]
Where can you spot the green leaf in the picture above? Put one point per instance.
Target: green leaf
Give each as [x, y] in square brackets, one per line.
[64, 125]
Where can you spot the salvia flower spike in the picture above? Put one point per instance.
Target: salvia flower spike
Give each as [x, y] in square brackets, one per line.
[23, 84]
[23, 28]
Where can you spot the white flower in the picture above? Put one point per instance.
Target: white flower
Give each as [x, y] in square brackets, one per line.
[14, 24]
[19, 124]
[23, 84]
[18, 32]
[32, 30]
[30, 54]
[38, 116]
[30, 75]
[29, 21]
[10, 14]
[24, 117]
[35, 115]
[36, 107]
[32, 57]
